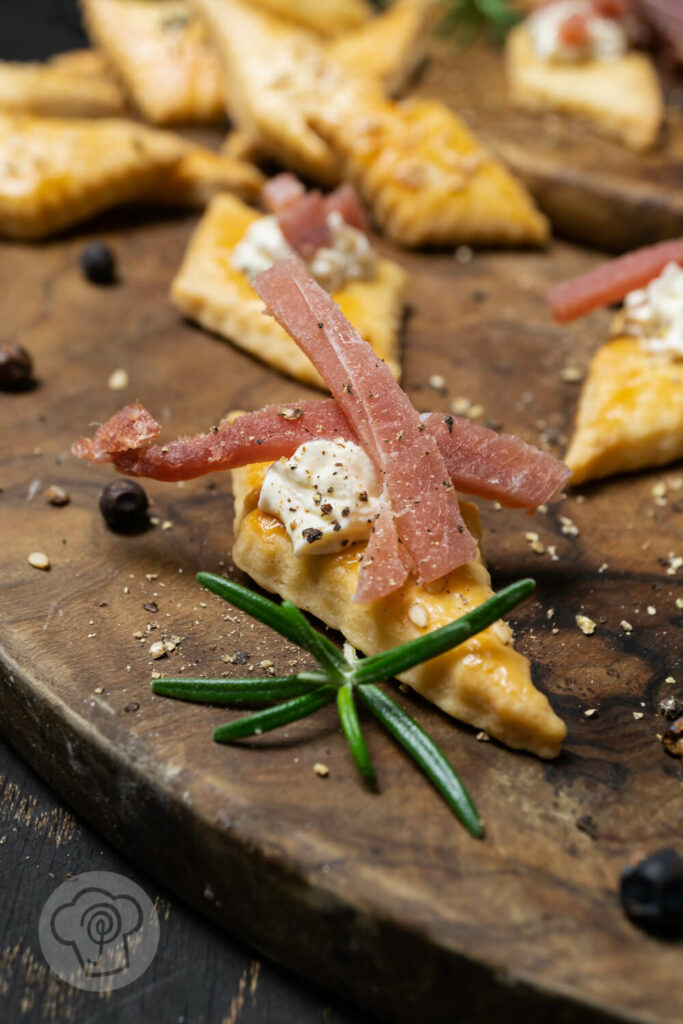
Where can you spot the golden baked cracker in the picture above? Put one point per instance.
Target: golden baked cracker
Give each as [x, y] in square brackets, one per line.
[483, 682]
[55, 172]
[621, 98]
[327, 17]
[390, 47]
[50, 91]
[211, 291]
[200, 174]
[277, 76]
[630, 413]
[161, 54]
[427, 179]
[87, 63]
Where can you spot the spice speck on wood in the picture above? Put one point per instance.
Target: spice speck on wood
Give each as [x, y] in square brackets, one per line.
[16, 368]
[56, 495]
[124, 504]
[651, 893]
[98, 263]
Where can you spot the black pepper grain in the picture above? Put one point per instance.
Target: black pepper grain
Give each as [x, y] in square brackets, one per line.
[98, 263]
[124, 504]
[652, 893]
[16, 368]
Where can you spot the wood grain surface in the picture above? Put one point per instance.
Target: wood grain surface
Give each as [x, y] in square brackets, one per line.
[382, 897]
[595, 191]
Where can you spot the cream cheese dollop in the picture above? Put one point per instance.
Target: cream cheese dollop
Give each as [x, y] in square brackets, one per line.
[326, 495]
[655, 313]
[350, 257]
[606, 37]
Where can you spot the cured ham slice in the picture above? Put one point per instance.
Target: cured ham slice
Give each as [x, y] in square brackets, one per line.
[384, 544]
[344, 200]
[128, 429]
[304, 224]
[413, 471]
[281, 190]
[499, 467]
[611, 281]
[480, 462]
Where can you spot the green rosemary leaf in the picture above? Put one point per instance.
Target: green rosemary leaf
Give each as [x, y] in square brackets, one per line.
[348, 716]
[238, 691]
[427, 755]
[422, 648]
[323, 650]
[467, 18]
[272, 718]
[259, 607]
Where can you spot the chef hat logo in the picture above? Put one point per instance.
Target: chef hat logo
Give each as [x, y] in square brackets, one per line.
[100, 928]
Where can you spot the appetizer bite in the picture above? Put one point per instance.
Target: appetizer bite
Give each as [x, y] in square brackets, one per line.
[630, 412]
[348, 507]
[331, 18]
[425, 178]
[233, 243]
[52, 90]
[575, 56]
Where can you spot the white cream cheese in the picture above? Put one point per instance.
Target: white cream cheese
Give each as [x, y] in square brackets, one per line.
[326, 495]
[606, 37]
[655, 313]
[350, 257]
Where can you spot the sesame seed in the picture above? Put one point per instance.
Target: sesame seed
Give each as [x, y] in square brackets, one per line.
[418, 615]
[118, 380]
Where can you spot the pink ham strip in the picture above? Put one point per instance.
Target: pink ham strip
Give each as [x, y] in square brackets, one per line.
[344, 200]
[384, 544]
[611, 281]
[414, 474]
[280, 191]
[480, 462]
[304, 225]
[128, 429]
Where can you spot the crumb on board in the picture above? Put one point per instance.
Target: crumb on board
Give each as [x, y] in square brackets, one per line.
[637, 715]
[158, 650]
[56, 495]
[590, 712]
[483, 737]
[586, 625]
[39, 560]
[321, 769]
[118, 380]
[626, 626]
[571, 374]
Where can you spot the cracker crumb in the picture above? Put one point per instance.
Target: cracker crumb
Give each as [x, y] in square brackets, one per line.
[637, 715]
[321, 769]
[437, 382]
[586, 625]
[167, 525]
[568, 527]
[118, 380]
[669, 679]
[679, 602]
[626, 626]
[158, 650]
[603, 567]
[483, 737]
[571, 374]
[549, 613]
[590, 712]
[56, 495]
[464, 254]
[99, 689]
[39, 560]
[651, 610]
[460, 405]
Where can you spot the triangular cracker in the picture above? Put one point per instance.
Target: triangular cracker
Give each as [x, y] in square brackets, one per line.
[277, 76]
[389, 48]
[51, 91]
[211, 291]
[630, 413]
[483, 682]
[86, 63]
[427, 179]
[327, 17]
[621, 97]
[201, 174]
[55, 172]
[161, 54]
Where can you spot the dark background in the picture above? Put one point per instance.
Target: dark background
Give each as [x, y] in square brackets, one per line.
[200, 975]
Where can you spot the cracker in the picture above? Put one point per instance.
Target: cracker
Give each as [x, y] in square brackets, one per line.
[621, 98]
[49, 90]
[483, 682]
[211, 291]
[55, 172]
[160, 52]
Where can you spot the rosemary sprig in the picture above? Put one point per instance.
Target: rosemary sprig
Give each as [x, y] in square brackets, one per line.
[342, 676]
[466, 19]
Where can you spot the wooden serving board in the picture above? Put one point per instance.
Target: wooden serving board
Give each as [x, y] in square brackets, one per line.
[384, 897]
[595, 191]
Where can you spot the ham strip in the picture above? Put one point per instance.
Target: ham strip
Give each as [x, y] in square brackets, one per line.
[383, 543]
[304, 224]
[413, 471]
[278, 192]
[480, 462]
[344, 200]
[611, 281]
